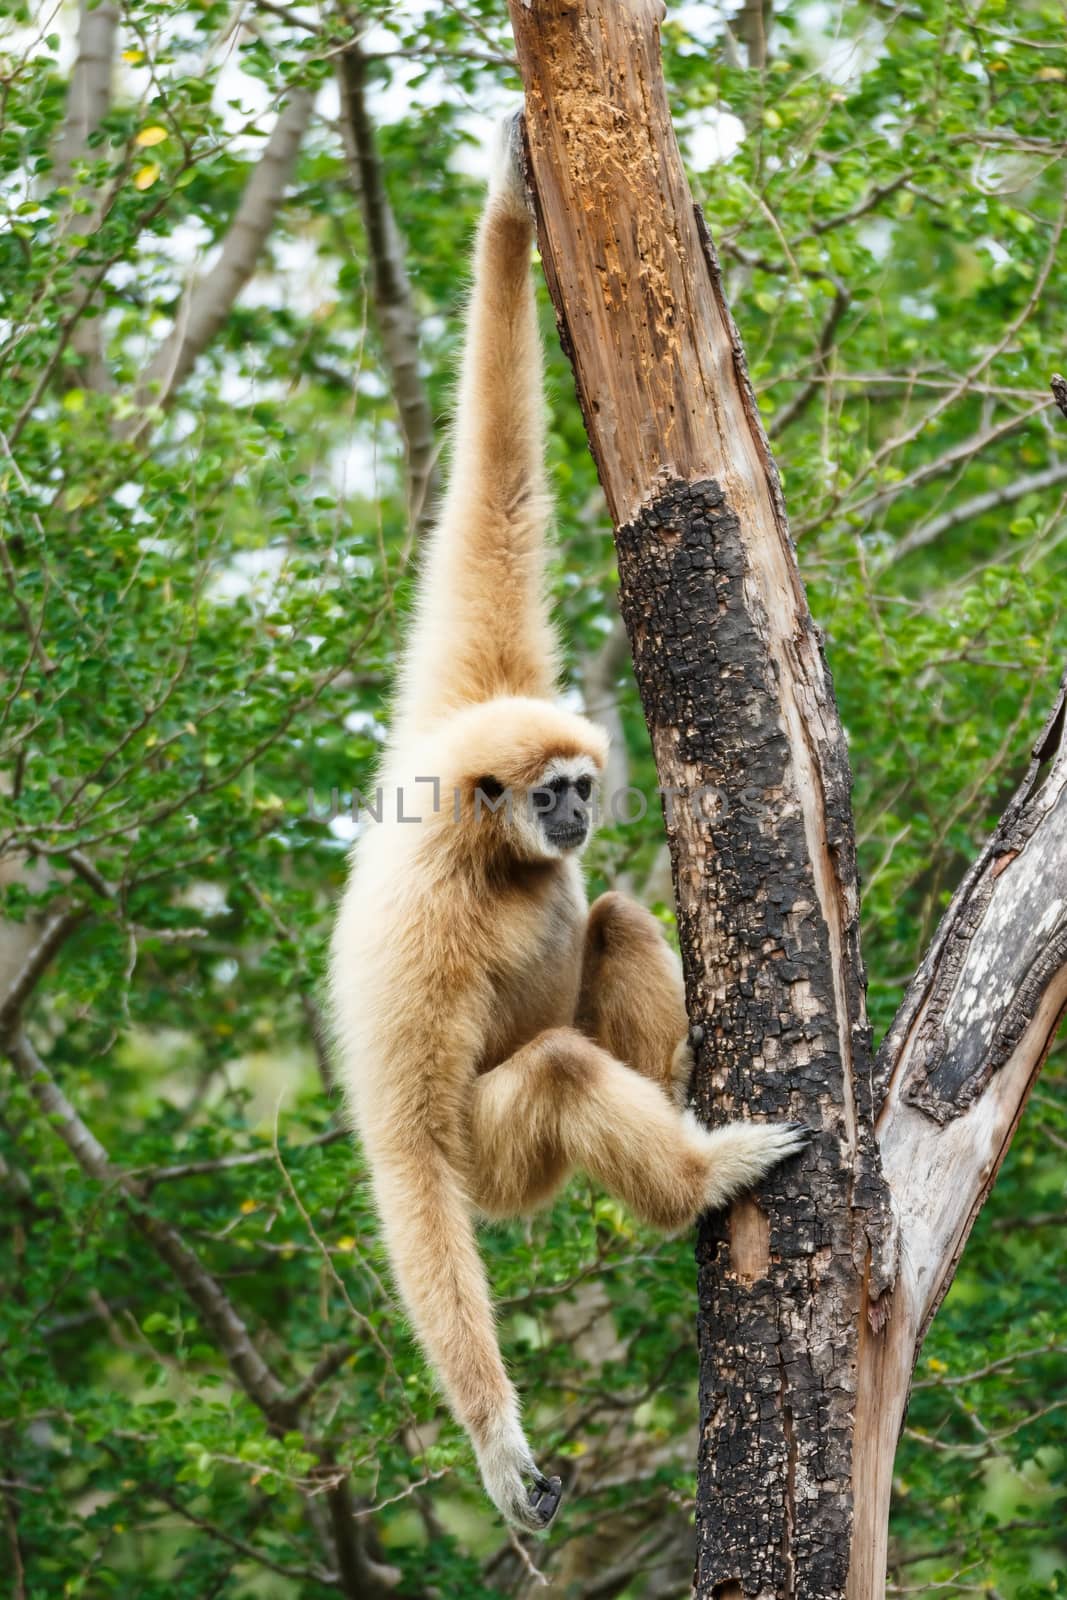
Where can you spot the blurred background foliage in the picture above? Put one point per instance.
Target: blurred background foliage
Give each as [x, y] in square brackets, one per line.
[209, 527]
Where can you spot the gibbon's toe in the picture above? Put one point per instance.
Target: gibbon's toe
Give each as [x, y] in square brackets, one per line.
[530, 1505]
[791, 1138]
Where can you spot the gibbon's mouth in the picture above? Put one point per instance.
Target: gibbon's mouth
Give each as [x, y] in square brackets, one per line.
[567, 838]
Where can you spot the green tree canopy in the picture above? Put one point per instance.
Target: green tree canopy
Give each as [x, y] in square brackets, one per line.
[211, 453]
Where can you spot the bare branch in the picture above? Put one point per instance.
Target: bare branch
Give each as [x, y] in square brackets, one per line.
[330, 1362]
[212, 298]
[958, 1064]
[218, 1311]
[394, 308]
[327, 1579]
[967, 510]
[151, 1176]
[1001, 946]
[47, 937]
[800, 401]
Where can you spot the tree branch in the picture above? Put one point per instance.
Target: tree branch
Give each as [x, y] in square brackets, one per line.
[361, 1576]
[211, 299]
[802, 399]
[150, 1176]
[218, 1311]
[394, 308]
[47, 936]
[957, 1065]
[968, 510]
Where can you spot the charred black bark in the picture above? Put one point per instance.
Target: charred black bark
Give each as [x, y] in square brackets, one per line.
[776, 1402]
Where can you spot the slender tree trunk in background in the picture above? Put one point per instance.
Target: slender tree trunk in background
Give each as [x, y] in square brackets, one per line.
[394, 306]
[808, 1335]
[88, 103]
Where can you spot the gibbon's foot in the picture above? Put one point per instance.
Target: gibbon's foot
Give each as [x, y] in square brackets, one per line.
[681, 1073]
[545, 1497]
[801, 1130]
[507, 180]
[513, 1481]
[744, 1152]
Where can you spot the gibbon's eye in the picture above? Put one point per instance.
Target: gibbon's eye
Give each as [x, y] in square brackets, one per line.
[584, 788]
[556, 786]
[492, 788]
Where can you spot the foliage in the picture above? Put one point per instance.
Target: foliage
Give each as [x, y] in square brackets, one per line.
[202, 600]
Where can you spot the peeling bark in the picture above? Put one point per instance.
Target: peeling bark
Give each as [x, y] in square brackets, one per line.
[944, 1127]
[808, 1327]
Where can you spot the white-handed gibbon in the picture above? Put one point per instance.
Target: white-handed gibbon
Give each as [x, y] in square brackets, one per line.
[494, 1032]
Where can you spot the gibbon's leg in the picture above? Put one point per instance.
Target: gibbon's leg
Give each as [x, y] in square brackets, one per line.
[482, 625]
[632, 1000]
[562, 1102]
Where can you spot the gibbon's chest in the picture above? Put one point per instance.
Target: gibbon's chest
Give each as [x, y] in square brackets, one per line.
[536, 968]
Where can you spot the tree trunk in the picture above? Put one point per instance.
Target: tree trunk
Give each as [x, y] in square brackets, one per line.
[807, 1335]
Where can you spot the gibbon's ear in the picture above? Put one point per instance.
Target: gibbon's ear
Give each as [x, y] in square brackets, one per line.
[492, 788]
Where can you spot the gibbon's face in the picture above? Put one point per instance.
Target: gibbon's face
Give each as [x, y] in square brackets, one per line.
[559, 807]
[548, 819]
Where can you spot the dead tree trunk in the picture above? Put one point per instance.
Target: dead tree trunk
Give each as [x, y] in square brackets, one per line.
[808, 1332]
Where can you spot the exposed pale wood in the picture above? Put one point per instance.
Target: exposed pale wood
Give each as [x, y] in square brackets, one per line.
[997, 964]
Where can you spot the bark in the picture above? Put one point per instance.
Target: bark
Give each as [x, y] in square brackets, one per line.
[801, 1392]
[394, 307]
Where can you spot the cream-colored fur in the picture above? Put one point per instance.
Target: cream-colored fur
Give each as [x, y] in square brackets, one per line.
[494, 1033]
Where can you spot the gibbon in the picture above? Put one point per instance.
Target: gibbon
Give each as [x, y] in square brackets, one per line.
[493, 1032]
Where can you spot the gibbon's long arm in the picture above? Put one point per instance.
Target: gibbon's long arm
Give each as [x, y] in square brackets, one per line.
[429, 1233]
[482, 626]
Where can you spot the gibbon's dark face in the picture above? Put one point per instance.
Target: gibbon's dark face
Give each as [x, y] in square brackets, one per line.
[562, 805]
